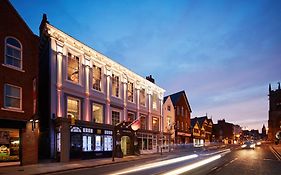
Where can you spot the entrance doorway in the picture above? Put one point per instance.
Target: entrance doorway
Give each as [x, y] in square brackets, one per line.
[126, 145]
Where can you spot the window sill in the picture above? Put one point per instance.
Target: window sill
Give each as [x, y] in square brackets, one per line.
[73, 83]
[116, 97]
[13, 67]
[12, 110]
[97, 91]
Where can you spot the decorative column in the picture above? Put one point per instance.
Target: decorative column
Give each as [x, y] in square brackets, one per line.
[59, 77]
[137, 87]
[149, 94]
[124, 82]
[108, 73]
[87, 89]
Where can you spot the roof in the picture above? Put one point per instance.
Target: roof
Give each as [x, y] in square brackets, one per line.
[193, 121]
[176, 96]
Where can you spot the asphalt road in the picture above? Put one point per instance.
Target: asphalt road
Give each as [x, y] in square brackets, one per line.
[237, 161]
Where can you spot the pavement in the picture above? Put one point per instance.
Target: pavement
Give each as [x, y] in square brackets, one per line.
[54, 167]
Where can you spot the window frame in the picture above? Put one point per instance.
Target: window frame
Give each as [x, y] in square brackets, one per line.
[5, 90]
[95, 66]
[80, 106]
[112, 117]
[154, 101]
[133, 97]
[118, 85]
[103, 112]
[144, 97]
[21, 53]
[79, 68]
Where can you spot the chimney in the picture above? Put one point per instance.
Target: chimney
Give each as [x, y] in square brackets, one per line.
[43, 23]
[149, 78]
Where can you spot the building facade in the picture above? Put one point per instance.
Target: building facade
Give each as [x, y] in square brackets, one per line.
[84, 94]
[274, 113]
[224, 132]
[169, 119]
[18, 90]
[201, 130]
[182, 117]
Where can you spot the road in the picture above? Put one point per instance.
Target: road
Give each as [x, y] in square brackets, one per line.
[222, 162]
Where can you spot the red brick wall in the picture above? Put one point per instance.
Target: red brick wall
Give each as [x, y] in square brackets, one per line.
[13, 25]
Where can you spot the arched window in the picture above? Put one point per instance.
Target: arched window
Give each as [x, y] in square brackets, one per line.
[13, 52]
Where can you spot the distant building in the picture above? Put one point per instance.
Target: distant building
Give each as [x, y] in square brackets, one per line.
[224, 132]
[169, 118]
[274, 114]
[19, 49]
[182, 117]
[201, 130]
[263, 133]
[251, 134]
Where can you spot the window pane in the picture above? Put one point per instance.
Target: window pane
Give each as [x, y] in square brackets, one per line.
[155, 124]
[97, 113]
[130, 92]
[12, 102]
[12, 91]
[98, 146]
[142, 97]
[143, 122]
[73, 68]
[131, 116]
[115, 117]
[115, 85]
[97, 78]
[154, 101]
[13, 42]
[73, 106]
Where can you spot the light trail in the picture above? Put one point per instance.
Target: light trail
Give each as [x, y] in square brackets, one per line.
[192, 166]
[156, 164]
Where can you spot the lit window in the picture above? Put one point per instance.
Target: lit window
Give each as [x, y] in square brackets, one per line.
[143, 122]
[13, 54]
[73, 108]
[142, 97]
[12, 96]
[115, 85]
[98, 144]
[73, 68]
[169, 121]
[108, 143]
[155, 124]
[154, 101]
[97, 113]
[115, 117]
[130, 92]
[87, 143]
[96, 78]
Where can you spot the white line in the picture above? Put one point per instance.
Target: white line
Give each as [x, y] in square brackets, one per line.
[192, 166]
[222, 151]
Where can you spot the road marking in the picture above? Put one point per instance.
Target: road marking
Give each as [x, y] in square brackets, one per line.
[222, 151]
[214, 168]
[233, 160]
[275, 153]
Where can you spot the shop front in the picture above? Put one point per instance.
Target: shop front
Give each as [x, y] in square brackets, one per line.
[183, 137]
[150, 142]
[9, 145]
[87, 142]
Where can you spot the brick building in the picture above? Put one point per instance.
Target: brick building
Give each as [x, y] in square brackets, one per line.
[18, 79]
[274, 113]
[182, 117]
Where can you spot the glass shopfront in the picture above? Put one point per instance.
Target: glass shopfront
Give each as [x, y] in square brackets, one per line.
[89, 142]
[9, 144]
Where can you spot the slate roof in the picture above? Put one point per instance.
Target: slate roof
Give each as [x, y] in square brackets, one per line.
[176, 96]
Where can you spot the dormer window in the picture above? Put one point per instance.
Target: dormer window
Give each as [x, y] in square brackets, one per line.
[13, 52]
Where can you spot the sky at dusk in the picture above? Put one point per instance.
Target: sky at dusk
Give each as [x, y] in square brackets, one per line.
[222, 53]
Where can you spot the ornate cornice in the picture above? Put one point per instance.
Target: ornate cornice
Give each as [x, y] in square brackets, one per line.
[94, 55]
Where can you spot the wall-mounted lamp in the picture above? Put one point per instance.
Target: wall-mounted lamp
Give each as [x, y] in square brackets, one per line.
[33, 123]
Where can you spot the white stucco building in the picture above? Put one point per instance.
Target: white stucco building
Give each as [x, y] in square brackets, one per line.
[84, 94]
